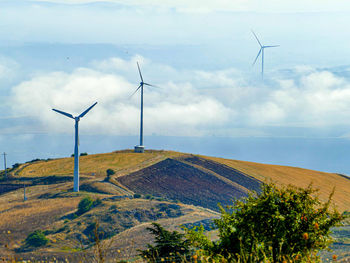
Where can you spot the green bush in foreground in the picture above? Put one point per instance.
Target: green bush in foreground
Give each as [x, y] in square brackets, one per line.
[36, 239]
[278, 224]
[171, 245]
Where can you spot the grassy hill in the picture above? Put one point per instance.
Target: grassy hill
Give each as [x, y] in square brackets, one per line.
[175, 188]
[300, 177]
[126, 162]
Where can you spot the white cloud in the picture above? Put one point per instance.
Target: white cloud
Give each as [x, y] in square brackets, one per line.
[312, 99]
[178, 109]
[267, 113]
[8, 68]
[188, 102]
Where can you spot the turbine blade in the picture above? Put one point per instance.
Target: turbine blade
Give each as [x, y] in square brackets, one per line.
[257, 56]
[87, 110]
[257, 38]
[135, 91]
[138, 66]
[64, 113]
[151, 85]
[271, 46]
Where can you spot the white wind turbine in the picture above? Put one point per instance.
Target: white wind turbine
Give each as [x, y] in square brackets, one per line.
[261, 51]
[140, 148]
[76, 147]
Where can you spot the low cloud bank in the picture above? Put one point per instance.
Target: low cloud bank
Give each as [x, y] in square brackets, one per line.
[188, 102]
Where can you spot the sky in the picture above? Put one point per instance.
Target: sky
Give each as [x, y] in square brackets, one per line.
[211, 99]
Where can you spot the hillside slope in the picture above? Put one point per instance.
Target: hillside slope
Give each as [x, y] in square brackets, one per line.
[204, 185]
[173, 189]
[300, 177]
[241, 175]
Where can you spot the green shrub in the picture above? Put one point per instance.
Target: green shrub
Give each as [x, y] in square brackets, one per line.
[137, 196]
[16, 165]
[36, 239]
[110, 172]
[83, 154]
[170, 245]
[275, 225]
[85, 205]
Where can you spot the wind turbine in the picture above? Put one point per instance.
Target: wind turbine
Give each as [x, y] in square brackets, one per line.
[76, 147]
[261, 51]
[140, 148]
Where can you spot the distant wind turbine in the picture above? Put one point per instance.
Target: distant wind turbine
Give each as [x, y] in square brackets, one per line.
[261, 51]
[76, 148]
[140, 148]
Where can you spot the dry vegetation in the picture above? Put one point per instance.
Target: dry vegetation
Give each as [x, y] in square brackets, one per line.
[176, 180]
[96, 164]
[285, 175]
[51, 205]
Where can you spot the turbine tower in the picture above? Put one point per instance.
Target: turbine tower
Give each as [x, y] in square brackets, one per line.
[76, 147]
[261, 51]
[140, 148]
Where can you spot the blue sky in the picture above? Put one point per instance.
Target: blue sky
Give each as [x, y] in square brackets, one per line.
[68, 54]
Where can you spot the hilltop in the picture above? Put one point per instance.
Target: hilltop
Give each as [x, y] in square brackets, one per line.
[168, 187]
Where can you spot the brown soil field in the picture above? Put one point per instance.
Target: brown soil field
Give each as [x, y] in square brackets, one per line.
[177, 180]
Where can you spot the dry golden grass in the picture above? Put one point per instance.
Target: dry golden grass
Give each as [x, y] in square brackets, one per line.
[22, 218]
[103, 187]
[137, 237]
[96, 163]
[297, 176]
[124, 162]
[34, 192]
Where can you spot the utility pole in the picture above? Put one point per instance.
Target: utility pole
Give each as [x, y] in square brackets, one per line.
[5, 164]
